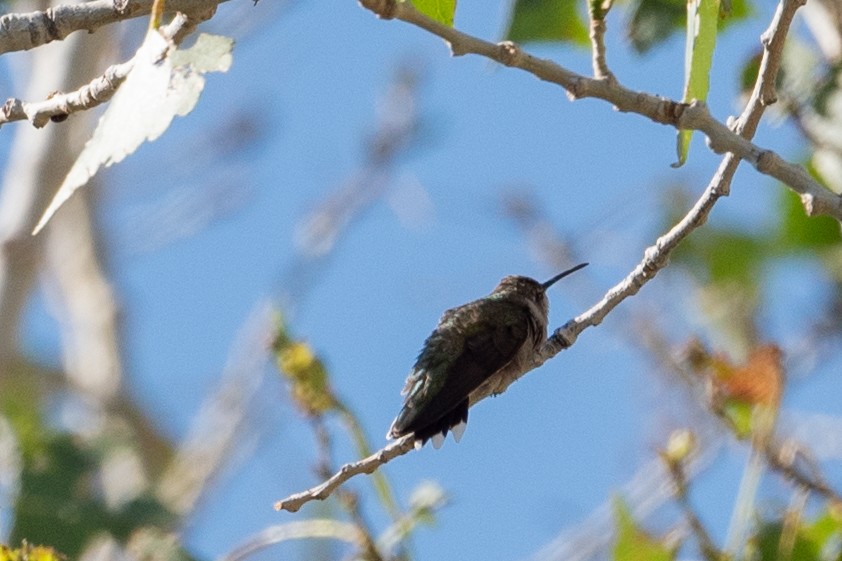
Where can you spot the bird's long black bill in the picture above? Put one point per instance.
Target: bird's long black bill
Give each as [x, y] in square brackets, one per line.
[560, 276]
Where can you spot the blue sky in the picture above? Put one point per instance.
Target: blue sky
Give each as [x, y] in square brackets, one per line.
[565, 438]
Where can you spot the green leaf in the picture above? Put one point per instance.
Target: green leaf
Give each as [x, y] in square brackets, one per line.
[633, 544]
[547, 20]
[162, 84]
[770, 544]
[702, 24]
[440, 10]
[739, 415]
[824, 529]
[799, 232]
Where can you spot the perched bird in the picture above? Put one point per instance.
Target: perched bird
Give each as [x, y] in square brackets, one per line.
[476, 350]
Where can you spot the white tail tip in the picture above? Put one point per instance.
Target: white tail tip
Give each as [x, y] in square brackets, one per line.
[459, 430]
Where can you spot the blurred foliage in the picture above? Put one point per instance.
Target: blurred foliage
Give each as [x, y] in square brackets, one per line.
[730, 262]
[547, 20]
[61, 499]
[632, 542]
[746, 396]
[60, 502]
[799, 233]
[654, 21]
[799, 540]
[305, 372]
[29, 552]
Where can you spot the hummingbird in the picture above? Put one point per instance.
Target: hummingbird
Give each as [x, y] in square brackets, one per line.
[476, 350]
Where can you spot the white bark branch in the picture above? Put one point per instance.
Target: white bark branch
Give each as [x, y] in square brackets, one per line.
[19, 32]
[346, 472]
[97, 91]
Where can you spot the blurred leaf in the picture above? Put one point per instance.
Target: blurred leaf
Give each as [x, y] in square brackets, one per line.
[747, 396]
[164, 83]
[29, 552]
[758, 382]
[826, 530]
[547, 20]
[440, 10]
[739, 416]
[653, 21]
[725, 255]
[306, 373]
[702, 26]
[799, 232]
[813, 541]
[59, 504]
[633, 544]
[750, 71]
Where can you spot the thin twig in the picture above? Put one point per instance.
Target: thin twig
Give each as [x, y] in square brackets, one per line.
[695, 116]
[679, 478]
[346, 472]
[348, 499]
[781, 458]
[97, 91]
[597, 11]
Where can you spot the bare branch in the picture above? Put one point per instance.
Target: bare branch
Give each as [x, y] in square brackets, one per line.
[695, 116]
[346, 472]
[88, 96]
[597, 11]
[782, 458]
[20, 32]
[99, 90]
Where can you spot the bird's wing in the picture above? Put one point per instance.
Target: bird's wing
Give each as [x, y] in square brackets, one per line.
[444, 376]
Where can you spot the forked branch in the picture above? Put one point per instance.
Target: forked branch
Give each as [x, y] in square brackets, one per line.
[655, 257]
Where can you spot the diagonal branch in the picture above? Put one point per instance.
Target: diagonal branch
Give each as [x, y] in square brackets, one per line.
[346, 472]
[695, 116]
[655, 257]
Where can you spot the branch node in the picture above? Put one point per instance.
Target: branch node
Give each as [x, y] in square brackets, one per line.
[12, 107]
[121, 6]
[766, 161]
[809, 202]
[510, 53]
[383, 9]
[578, 88]
[48, 16]
[768, 95]
[766, 38]
[565, 335]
